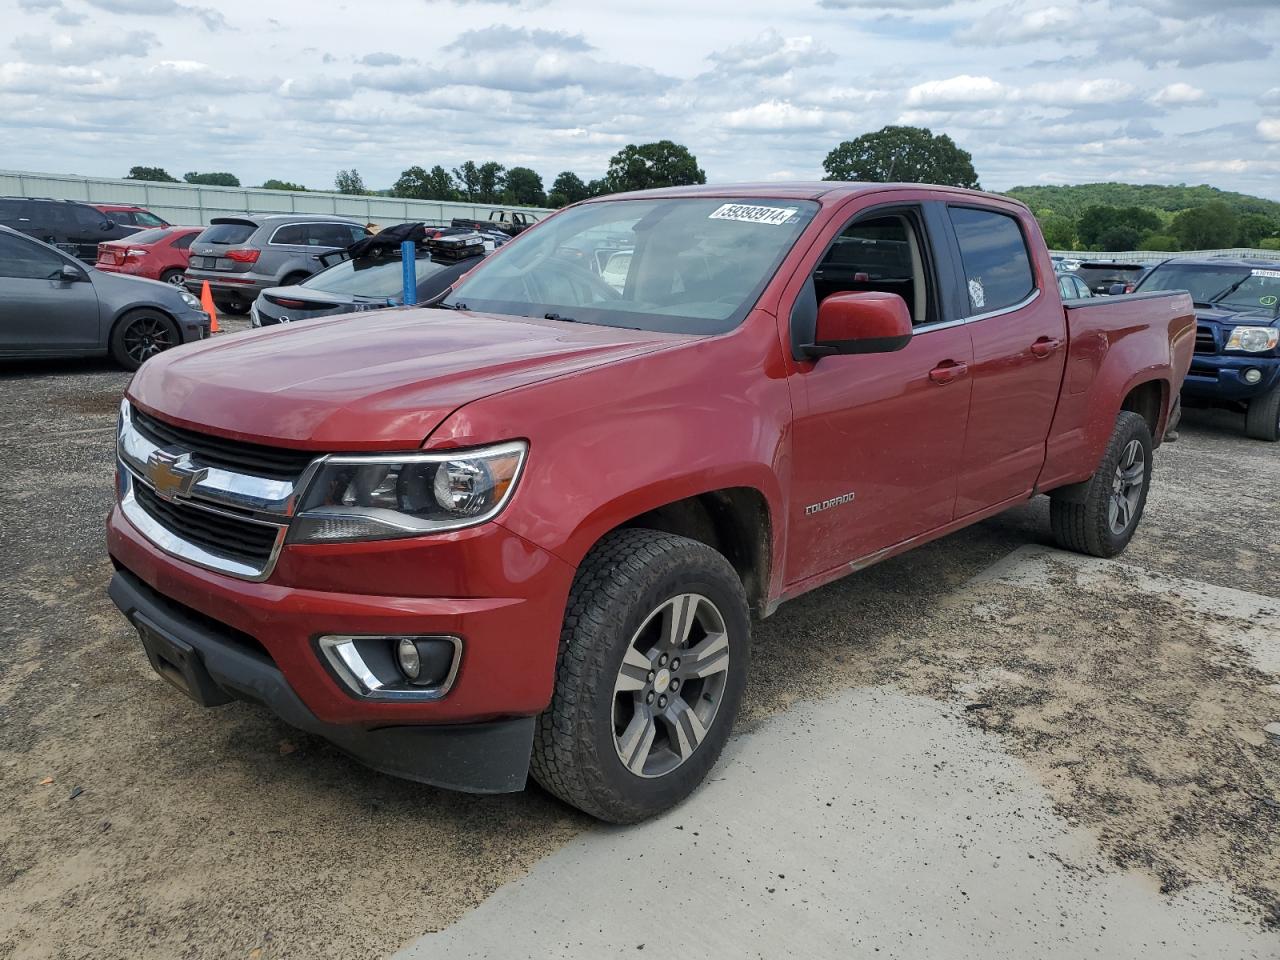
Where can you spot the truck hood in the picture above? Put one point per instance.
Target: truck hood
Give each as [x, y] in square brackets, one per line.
[376, 381]
[1258, 316]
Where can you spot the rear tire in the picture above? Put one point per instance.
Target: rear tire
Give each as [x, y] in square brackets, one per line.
[1262, 419]
[237, 307]
[1101, 519]
[175, 278]
[295, 278]
[140, 335]
[641, 601]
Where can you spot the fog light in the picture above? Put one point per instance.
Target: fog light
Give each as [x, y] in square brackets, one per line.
[410, 662]
[1252, 375]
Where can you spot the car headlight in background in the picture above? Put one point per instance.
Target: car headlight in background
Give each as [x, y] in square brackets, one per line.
[406, 495]
[191, 301]
[1253, 339]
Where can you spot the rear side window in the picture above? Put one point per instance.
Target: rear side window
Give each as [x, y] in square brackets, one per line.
[24, 260]
[294, 233]
[329, 235]
[184, 241]
[227, 233]
[997, 264]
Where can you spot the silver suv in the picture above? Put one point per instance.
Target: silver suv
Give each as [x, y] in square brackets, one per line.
[242, 256]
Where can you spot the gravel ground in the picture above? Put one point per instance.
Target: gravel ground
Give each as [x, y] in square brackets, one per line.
[139, 825]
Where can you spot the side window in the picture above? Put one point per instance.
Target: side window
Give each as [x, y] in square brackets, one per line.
[882, 253]
[293, 233]
[184, 241]
[997, 264]
[144, 219]
[25, 260]
[327, 235]
[355, 233]
[89, 220]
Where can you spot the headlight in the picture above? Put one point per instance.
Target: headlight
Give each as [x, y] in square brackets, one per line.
[1253, 339]
[191, 301]
[406, 495]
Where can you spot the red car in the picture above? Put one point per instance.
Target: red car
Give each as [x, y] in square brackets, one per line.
[527, 531]
[128, 215]
[159, 254]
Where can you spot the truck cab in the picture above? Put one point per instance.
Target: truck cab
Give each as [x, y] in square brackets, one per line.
[1237, 355]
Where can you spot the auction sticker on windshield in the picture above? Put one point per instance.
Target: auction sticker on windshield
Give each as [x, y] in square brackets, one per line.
[748, 213]
[1273, 274]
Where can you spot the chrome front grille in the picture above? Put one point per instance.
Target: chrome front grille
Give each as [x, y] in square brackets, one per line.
[212, 502]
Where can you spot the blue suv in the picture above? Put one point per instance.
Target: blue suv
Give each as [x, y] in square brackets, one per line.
[1237, 356]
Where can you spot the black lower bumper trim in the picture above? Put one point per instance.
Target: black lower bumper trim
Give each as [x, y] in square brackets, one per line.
[212, 666]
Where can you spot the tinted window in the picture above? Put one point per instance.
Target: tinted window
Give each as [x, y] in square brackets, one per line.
[697, 264]
[184, 241]
[88, 218]
[328, 235]
[294, 233]
[11, 209]
[149, 236]
[227, 233]
[997, 266]
[26, 260]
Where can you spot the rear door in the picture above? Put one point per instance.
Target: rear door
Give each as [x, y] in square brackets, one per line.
[878, 437]
[1019, 332]
[38, 310]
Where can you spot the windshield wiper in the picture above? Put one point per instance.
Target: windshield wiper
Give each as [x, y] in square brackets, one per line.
[1230, 290]
[441, 305]
[556, 316]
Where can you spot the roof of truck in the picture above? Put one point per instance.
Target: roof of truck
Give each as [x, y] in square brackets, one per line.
[825, 190]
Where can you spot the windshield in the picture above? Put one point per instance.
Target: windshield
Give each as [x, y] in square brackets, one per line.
[1221, 285]
[1095, 275]
[685, 265]
[377, 280]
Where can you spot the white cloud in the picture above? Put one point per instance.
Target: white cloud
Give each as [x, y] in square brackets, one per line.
[1080, 92]
[1016, 24]
[775, 116]
[1269, 130]
[771, 53]
[1179, 95]
[83, 49]
[963, 90]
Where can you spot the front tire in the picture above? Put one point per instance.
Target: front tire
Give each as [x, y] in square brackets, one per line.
[1101, 519]
[1262, 419]
[652, 619]
[175, 278]
[140, 335]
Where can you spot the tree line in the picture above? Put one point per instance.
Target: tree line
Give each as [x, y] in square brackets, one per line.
[1100, 216]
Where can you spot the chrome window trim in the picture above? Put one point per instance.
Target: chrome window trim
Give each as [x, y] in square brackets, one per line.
[344, 657]
[175, 546]
[1021, 304]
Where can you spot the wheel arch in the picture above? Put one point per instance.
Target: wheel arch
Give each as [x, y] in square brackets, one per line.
[126, 312]
[1150, 400]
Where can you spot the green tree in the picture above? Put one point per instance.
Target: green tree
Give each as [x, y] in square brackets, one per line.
[1255, 227]
[1208, 227]
[648, 165]
[283, 185]
[491, 181]
[524, 186]
[1269, 243]
[1158, 241]
[598, 188]
[154, 174]
[468, 177]
[413, 184]
[1059, 231]
[568, 188]
[440, 185]
[1115, 228]
[350, 181]
[212, 179]
[896, 154]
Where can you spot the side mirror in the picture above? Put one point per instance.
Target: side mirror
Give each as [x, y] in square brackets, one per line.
[68, 274]
[106, 225]
[1116, 290]
[864, 322]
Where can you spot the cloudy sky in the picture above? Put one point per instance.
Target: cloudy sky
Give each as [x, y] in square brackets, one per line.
[1162, 91]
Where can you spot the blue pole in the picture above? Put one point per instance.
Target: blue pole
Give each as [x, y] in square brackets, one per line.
[409, 263]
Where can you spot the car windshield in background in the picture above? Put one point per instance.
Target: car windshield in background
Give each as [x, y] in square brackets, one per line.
[379, 280]
[1221, 285]
[684, 265]
[148, 236]
[1094, 274]
[227, 233]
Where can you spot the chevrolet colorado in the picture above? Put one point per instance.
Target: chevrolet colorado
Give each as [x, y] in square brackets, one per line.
[526, 531]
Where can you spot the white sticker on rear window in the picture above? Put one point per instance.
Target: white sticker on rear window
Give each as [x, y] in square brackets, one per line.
[748, 213]
[977, 295]
[1273, 274]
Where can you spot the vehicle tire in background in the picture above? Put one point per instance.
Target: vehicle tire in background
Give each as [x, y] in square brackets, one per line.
[237, 307]
[140, 335]
[652, 619]
[175, 278]
[1262, 419]
[294, 278]
[1100, 516]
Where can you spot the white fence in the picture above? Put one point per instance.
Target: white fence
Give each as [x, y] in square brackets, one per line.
[1155, 256]
[188, 204]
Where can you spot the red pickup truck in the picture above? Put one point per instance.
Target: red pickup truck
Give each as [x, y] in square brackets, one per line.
[527, 529]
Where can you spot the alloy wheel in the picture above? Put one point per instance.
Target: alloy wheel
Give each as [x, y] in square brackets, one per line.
[1126, 487]
[147, 336]
[670, 685]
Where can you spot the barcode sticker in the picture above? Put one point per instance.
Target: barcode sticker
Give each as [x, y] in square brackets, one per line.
[748, 213]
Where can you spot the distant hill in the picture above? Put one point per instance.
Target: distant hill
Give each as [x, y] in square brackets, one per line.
[1071, 201]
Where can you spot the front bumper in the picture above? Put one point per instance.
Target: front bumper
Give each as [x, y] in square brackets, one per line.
[1220, 377]
[214, 665]
[193, 325]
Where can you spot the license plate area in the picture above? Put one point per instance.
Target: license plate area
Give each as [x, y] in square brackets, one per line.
[179, 663]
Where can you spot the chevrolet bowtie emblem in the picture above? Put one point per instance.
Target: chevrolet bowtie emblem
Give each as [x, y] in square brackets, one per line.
[172, 475]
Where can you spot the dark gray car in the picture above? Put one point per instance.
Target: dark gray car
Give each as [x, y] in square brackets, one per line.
[52, 305]
[240, 257]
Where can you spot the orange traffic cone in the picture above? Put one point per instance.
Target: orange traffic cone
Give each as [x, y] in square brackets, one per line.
[206, 301]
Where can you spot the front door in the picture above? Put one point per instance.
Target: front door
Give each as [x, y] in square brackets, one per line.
[1019, 348]
[877, 437]
[39, 311]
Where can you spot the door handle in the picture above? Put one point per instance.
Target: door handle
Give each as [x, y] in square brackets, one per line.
[947, 371]
[1045, 346]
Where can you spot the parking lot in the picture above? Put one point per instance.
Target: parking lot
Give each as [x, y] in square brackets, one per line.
[982, 748]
